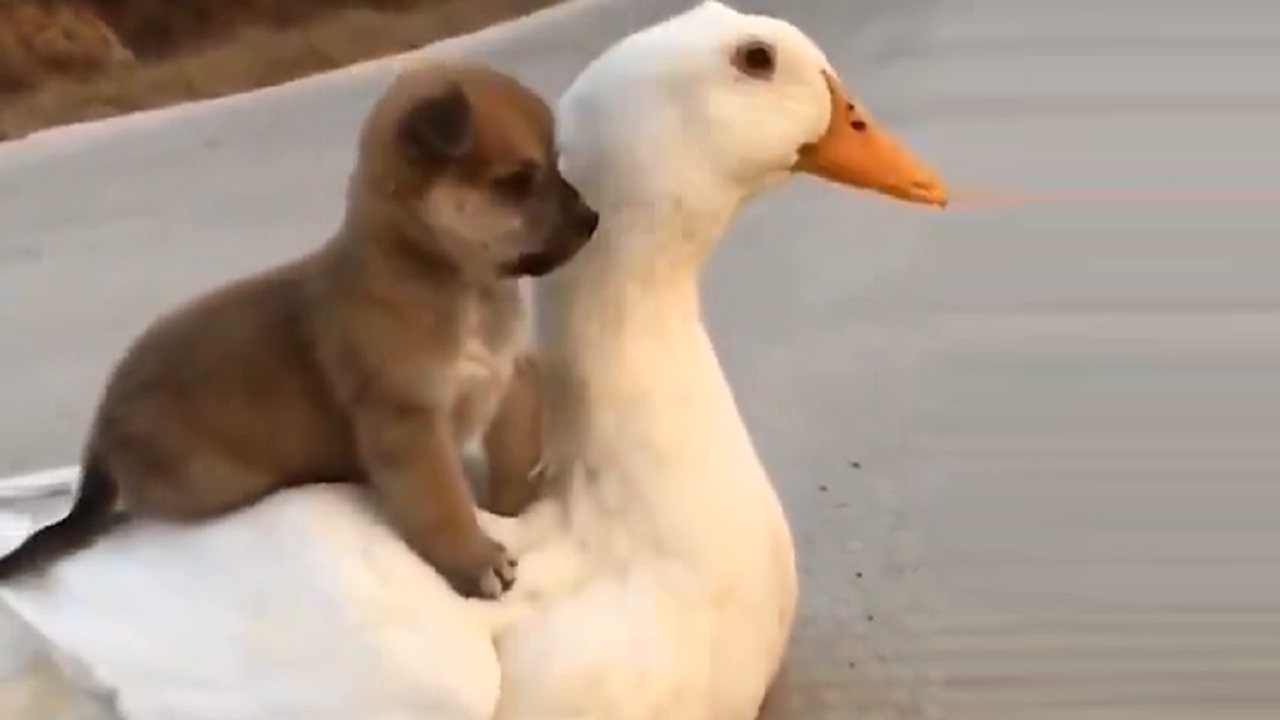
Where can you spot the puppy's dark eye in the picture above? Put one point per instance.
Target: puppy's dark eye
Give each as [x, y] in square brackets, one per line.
[517, 184]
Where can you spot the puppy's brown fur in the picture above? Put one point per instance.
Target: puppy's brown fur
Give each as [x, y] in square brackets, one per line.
[374, 359]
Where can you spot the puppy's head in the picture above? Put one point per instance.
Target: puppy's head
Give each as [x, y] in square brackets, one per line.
[462, 161]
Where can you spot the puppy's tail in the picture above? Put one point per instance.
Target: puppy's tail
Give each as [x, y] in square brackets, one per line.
[93, 515]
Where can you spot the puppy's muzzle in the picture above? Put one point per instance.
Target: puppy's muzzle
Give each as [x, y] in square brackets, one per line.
[579, 224]
[584, 221]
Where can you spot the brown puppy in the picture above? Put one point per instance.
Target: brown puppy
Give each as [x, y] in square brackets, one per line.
[374, 359]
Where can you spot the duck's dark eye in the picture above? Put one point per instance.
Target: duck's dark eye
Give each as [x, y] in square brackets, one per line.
[755, 58]
[517, 184]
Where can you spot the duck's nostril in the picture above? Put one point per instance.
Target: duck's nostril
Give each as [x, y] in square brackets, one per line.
[855, 123]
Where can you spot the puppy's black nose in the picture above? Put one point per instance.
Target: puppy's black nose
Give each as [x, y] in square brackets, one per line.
[586, 220]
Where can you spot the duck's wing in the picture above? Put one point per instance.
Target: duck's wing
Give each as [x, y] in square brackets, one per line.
[32, 686]
[305, 605]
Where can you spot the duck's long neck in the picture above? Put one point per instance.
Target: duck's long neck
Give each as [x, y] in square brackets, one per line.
[632, 376]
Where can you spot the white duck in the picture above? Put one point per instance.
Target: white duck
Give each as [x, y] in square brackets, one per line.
[303, 607]
[665, 559]
[675, 564]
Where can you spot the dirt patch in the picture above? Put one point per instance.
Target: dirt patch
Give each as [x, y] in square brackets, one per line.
[66, 61]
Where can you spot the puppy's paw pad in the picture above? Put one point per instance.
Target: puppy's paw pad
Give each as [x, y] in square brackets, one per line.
[538, 475]
[500, 578]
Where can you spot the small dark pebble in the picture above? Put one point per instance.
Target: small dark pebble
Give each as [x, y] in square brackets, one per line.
[853, 664]
[859, 574]
[822, 488]
[871, 618]
[855, 464]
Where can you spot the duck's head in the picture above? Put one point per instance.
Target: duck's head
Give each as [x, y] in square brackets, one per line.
[714, 105]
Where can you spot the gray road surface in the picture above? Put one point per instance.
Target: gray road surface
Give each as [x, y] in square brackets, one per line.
[1030, 452]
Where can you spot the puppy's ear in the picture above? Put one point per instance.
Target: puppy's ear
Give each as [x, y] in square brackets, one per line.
[438, 127]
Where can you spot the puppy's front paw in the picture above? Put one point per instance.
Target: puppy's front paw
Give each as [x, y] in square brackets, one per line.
[487, 571]
[498, 579]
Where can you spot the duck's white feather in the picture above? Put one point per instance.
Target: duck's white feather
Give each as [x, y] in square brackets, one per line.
[304, 606]
[686, 583]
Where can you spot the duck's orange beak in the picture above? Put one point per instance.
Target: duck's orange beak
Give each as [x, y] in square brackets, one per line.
[855, 152]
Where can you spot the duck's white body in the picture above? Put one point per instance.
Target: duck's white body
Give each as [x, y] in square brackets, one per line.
[667, 551]
[660, 569]
[685, 587]
[303, 607]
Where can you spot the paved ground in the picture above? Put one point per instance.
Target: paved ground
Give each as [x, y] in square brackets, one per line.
[1030, 451]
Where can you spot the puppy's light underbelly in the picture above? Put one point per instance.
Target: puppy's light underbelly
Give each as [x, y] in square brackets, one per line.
[483, 378]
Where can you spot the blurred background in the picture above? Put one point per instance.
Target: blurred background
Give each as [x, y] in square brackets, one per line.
[65, 61]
